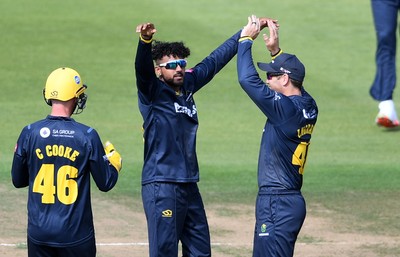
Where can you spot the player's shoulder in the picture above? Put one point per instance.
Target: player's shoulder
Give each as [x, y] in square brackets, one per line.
[33, 125]
[81, 132]
[68, 125]
[305, 99]
[85, 129]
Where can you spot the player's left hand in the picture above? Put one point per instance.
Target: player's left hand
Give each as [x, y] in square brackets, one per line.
[113, 156]
[252, 29]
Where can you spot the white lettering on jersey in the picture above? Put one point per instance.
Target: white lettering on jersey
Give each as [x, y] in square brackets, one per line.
[277, 96]
[63, 133]
[309, 115]
[185, 110]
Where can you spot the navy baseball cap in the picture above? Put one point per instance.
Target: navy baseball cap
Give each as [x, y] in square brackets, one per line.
[285, 63]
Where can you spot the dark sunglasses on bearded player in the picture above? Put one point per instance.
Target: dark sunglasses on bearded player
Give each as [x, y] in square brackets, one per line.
[172, 65]
[270, 75]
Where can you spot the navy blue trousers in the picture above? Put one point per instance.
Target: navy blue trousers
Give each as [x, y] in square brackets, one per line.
[175, 212]
[385, 20]
[279, 218]
[86, 249]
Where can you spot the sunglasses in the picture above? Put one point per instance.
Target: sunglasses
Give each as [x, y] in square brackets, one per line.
[271, 75]
[172, 65]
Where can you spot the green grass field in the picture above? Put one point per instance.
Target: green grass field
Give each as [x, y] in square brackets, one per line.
[353, 166]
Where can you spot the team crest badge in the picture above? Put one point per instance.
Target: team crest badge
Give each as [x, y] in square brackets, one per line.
[77, 80]
[45, 132]
[263, 230]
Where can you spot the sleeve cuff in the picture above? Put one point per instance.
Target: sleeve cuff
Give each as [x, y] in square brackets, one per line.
[245, 38]
[277, 54]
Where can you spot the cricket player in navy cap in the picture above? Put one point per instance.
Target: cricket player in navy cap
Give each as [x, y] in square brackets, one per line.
[291, 116]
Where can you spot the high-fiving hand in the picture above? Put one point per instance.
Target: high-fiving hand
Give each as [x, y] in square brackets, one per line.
[272, 41]
[255, 25]
[252, 29]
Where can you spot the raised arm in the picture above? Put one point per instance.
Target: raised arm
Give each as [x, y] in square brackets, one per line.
[144, 67]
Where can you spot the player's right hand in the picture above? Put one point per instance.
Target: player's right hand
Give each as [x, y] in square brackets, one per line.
[146, 30]
[113, 156]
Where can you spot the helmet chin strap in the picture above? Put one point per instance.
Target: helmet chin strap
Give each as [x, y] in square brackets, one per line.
[48, 102]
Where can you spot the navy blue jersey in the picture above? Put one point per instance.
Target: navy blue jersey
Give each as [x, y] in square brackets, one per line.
[287, 132]
[55, 158]
[170, 120]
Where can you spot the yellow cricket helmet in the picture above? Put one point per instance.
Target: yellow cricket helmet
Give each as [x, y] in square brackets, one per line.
[64, 84]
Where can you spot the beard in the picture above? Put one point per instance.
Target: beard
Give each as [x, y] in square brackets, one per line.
[176, 81]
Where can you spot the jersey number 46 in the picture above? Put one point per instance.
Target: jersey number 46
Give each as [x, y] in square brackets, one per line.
[66, 187]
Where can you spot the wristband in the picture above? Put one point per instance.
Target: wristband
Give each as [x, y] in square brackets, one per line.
[147, 41]
[277, 54]
[245, 38]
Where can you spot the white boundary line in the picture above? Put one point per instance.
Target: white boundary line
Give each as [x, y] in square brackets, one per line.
[110, 244]
[212, 244]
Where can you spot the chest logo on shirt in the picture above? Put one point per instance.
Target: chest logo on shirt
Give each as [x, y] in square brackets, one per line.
[184, 109]
[45, 132]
